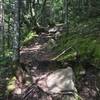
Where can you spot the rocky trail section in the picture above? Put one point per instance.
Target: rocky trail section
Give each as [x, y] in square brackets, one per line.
[52, 80]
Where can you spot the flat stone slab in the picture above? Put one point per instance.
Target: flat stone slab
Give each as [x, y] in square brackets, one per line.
[58, 81]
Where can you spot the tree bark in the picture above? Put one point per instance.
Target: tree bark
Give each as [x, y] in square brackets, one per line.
[16, 38]
[2, 45]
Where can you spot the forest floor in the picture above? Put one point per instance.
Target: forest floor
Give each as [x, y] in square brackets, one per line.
[37, 49]
[37, 54]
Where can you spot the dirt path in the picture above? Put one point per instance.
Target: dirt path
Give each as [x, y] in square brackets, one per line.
[37, 50]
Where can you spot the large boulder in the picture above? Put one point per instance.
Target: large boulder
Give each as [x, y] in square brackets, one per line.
[58, 82]
[61, 80]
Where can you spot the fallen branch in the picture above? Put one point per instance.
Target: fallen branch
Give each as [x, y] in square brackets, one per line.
[62, 53]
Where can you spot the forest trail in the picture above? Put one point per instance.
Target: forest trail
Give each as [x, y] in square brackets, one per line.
[37, 50]
[37, 55]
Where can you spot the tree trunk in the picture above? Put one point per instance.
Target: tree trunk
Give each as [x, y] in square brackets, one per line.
[43, 16]
[16, 37]
[1, 28]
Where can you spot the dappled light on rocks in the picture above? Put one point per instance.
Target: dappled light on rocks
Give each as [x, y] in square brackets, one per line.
[49, 49]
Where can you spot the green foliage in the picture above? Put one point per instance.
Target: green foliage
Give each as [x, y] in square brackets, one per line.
[11, 84]
[86, 46]
[29, 38]
[82, 38]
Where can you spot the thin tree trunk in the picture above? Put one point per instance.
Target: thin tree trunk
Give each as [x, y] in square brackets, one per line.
[16, 42]
[2, 45]
[43, 16]
[8, 35]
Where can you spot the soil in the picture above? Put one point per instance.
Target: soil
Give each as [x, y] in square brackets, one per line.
[36, 61]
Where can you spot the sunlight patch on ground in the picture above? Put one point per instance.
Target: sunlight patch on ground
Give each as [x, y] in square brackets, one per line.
[32, 49]
[11, 84]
